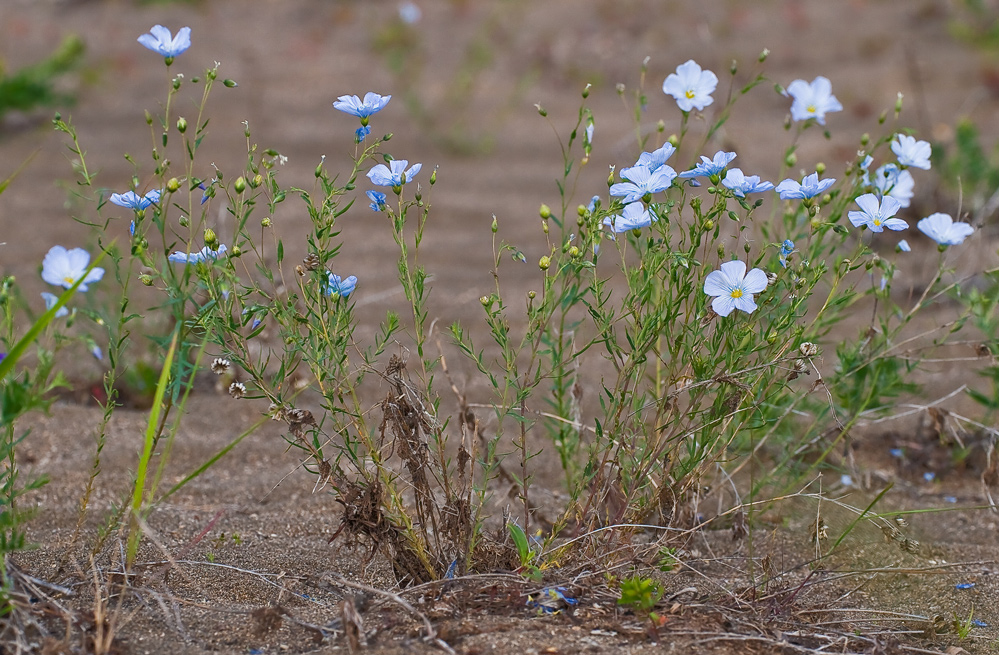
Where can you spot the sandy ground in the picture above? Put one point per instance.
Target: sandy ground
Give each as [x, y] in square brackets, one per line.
[494, 155]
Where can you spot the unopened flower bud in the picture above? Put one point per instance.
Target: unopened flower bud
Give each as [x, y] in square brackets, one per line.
[175, 83]
[149, 118]
[495, 225]
[545, 212]
[544, 263]
[586, 91]
[673, 140]
[541, 110]
[532, 294]
[581, 210]
[898, 103]
[236, 251]
[210, 239]
[573, 252]
[763, 55]
[865, 138]
[257, 180]
[661, 126]
[172, 185]
[184, 221]
[734, 68]
[239, 185]
[181, 124]
[433, 177]
[820, 168]
[791, 159]
[229, 84]
[709, 224]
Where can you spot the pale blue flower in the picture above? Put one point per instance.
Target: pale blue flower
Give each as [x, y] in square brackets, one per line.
[342, 288]
[62, 268]
[588, 140]
[360, 133]
[372, 104]
[911, 152]
[708, 167]
[96, 351]
[653, 160]
[132, 200]
[890, 180]
[903, 246]
[205, 253]
[942, 229]
[593, 204]
[877, 215]
[786, 249]
[392, 175]
[50, 300]
[733, 288]
[160, 40]
[635, 216]
[809, 188]
[131, 229]
[741, 184]
[409, 13]
[642, 181]
[207, 190]
[690, 86]
[812, 100]
[377, 199]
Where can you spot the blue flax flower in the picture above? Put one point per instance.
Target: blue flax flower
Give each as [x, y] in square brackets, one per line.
[812, 100]
[942, 229]
[50, 300]
[690, 86]
[709, 167]
[360, 133]
[377, 199]
[62, 268]
[877, 215]
[642, 181]
[160, 40]
[903, 246]
[392, 175]
[410, 13]
[741, 184]
[634, 217]
[810, 187]
[341, 288]
[911, 152]
[132, 200]
[657, 158]
[786, 249]
[733, 288]
[205, 253]
[551, 600]
[372, 104]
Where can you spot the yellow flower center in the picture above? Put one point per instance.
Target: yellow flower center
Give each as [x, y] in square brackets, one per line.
[810, 109]
[737, 293]
[69, 280]
[877, 222]
[690, 94]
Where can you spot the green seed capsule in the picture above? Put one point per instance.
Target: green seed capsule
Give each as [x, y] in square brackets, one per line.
[239, 185]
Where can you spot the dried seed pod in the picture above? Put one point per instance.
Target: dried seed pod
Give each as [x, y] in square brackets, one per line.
[311, 261]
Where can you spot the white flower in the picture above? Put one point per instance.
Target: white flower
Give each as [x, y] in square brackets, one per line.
[634, 217]
[911, 152]
[690, 86]
[942, 229]
[63, 268]
[734, 288]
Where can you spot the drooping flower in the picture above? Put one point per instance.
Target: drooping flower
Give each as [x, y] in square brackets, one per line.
[377, 199]
[62, 268]
[708, 167]
[812, 100]
[392, 175]
[178, 257]
[50, 300]
[642, 181]
[360, 133]
[903, 246]
[810, 187]
[96, 351]
[942, 229]
[593, 204]
[691, 86]
[372, 104]
[160, 40]
[911, 152]
[635, 216]
[132, 200]
[786, 249]
[342, 288]
[733, 288]
[588, 140]
[890, 180]
[740, 184]
[653, 160]
[877, 215]
[207, 190]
